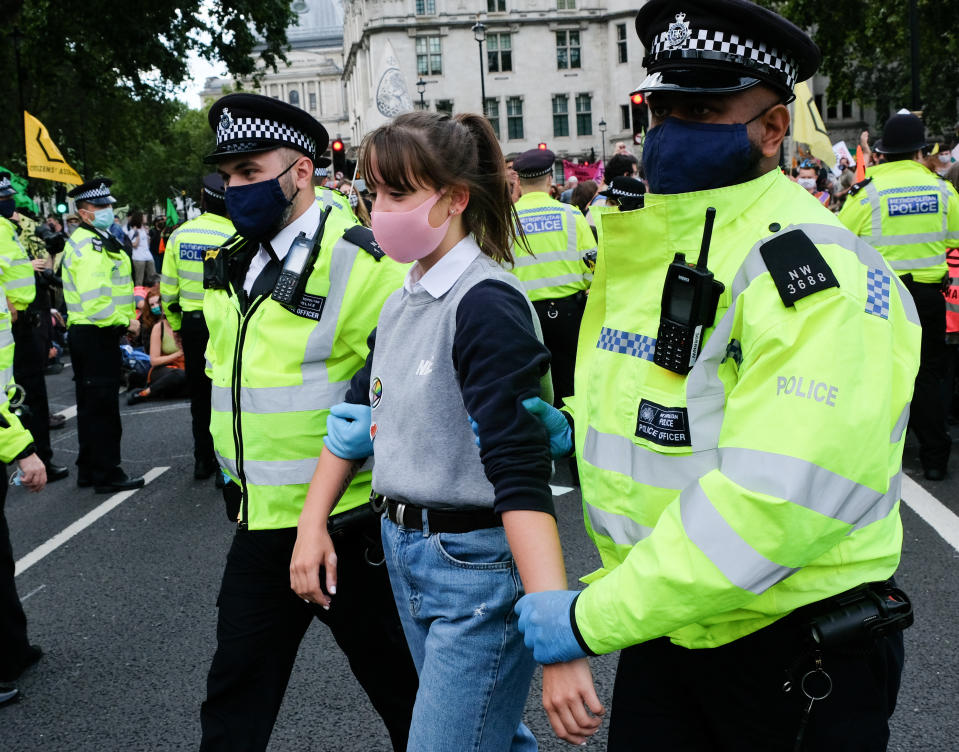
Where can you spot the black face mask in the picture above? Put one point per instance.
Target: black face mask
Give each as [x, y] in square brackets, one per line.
[256, 210]
[7, 207]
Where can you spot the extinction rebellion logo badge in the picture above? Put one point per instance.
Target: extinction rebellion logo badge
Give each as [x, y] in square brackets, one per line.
[678, 33]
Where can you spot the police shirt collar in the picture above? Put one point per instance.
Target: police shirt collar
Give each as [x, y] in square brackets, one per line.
[306, 223]
[444, 273]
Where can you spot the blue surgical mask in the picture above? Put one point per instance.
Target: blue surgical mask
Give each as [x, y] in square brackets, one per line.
[103, 218]
[155, 310]
[682, 156]
[7, 207]
[257, 209]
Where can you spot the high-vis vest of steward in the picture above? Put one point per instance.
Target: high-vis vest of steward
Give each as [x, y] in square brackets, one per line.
[952, 293]
[16, 276]
[909, 214]
[181, 281]
[97, 286]
[559, 236]
[769, 476]
[277, 373]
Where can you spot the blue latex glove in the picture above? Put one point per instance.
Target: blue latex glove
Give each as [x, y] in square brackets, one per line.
[544, 620]
[560, 434]
[348, 431]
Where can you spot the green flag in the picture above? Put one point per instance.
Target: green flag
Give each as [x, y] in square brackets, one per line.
[172, 218]
[21, 198]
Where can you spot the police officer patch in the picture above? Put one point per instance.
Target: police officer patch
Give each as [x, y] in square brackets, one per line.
[901, 206]
[192, 251]
[796, 266]
[310, 306]
[666, 426]
[97, 244]
[538, 223]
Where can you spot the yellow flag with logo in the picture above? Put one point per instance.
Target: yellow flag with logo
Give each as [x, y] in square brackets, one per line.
[44, 159]
[808, 127]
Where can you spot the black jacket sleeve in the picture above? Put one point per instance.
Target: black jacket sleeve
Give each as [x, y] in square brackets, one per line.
[359, 391]
[500, 361]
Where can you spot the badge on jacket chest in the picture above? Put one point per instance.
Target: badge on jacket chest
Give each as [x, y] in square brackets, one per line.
[796, 266]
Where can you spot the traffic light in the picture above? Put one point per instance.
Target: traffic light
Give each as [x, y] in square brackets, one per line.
[339, 155]
[61, 199]
[639, 114]
[541, 146]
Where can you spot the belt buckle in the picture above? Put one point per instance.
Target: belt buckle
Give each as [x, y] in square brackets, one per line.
[400, 512]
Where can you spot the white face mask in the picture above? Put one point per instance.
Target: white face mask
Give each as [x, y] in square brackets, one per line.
[808, 183]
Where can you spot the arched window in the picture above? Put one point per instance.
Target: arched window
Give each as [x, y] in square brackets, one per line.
[295, 97]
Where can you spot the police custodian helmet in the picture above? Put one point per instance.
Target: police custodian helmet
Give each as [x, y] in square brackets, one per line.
[720, 46]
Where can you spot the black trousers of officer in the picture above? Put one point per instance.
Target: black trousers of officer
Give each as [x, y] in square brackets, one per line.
[733, 699]
[194, 333]
[95, 354]
[13, 622]
[927, 416]
[31, 335]
[262, 621]
[560, 319]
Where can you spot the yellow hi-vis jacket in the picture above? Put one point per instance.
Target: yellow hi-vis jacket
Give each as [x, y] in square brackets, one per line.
[97, 285]
[17, 277]
[328, 197]
[769, 476]
[276, 373]
[909, 214]
[559, 237]
[181, 281]
[14, 438]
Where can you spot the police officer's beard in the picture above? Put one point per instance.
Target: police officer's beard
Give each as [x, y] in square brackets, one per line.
[288, 186]
[755, 168]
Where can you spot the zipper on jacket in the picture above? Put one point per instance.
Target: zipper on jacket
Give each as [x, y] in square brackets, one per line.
[245, 319]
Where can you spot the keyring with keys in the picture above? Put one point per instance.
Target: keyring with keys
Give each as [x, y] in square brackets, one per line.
[552, 312]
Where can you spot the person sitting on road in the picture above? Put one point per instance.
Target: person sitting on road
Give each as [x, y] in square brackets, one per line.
[167, 376]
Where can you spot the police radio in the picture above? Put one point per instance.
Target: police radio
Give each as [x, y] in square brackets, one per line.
[690, 299]
[297, 266]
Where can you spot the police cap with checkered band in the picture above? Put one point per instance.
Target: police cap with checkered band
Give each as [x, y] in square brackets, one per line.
[96, 192]
[252, 123]
[721, 46]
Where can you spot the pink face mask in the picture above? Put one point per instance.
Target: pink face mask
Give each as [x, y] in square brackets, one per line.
[409, 236]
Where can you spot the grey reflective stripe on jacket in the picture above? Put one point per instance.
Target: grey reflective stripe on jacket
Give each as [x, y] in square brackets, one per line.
[316, 392]
[797, 480]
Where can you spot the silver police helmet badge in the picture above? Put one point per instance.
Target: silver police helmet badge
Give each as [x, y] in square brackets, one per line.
[647, 414]
[678, 33]
[226, 123]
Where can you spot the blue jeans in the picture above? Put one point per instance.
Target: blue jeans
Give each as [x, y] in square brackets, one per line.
[455, 595]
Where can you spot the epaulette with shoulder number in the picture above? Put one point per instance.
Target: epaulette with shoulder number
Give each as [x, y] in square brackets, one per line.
[796, 266]
[363, 237]
[856, 187]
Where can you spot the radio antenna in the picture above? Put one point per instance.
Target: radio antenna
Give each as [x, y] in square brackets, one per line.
[707, 236]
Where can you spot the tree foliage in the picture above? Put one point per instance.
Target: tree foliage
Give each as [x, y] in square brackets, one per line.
[101, 75]
[866, 53]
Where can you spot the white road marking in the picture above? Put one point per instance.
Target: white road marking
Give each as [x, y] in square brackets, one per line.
[559, 490]
[84, 522]
[933, 511]
[159, 409]
[69, 412]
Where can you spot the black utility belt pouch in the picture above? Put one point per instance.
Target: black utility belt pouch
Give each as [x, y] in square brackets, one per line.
[358, 519]
[215, 273]
[867, 613]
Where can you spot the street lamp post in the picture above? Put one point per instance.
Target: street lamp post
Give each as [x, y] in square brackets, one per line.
[421, 88]
[602, 135]
[479, 34]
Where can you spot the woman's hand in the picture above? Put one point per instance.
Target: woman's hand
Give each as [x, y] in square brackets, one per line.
[570, 700]
[313, 550]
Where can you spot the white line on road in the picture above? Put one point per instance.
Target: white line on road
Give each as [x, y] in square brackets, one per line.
[70, 412]
[161, 409]
[84, 522]
[933, 511]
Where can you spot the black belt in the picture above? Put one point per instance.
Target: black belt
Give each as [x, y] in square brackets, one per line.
[440, 520]
[192, 314]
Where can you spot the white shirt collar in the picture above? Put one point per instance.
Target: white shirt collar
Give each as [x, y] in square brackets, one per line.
[444, 273]
[306, 223]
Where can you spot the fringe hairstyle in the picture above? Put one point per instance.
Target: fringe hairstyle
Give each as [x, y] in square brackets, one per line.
[428, 149]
